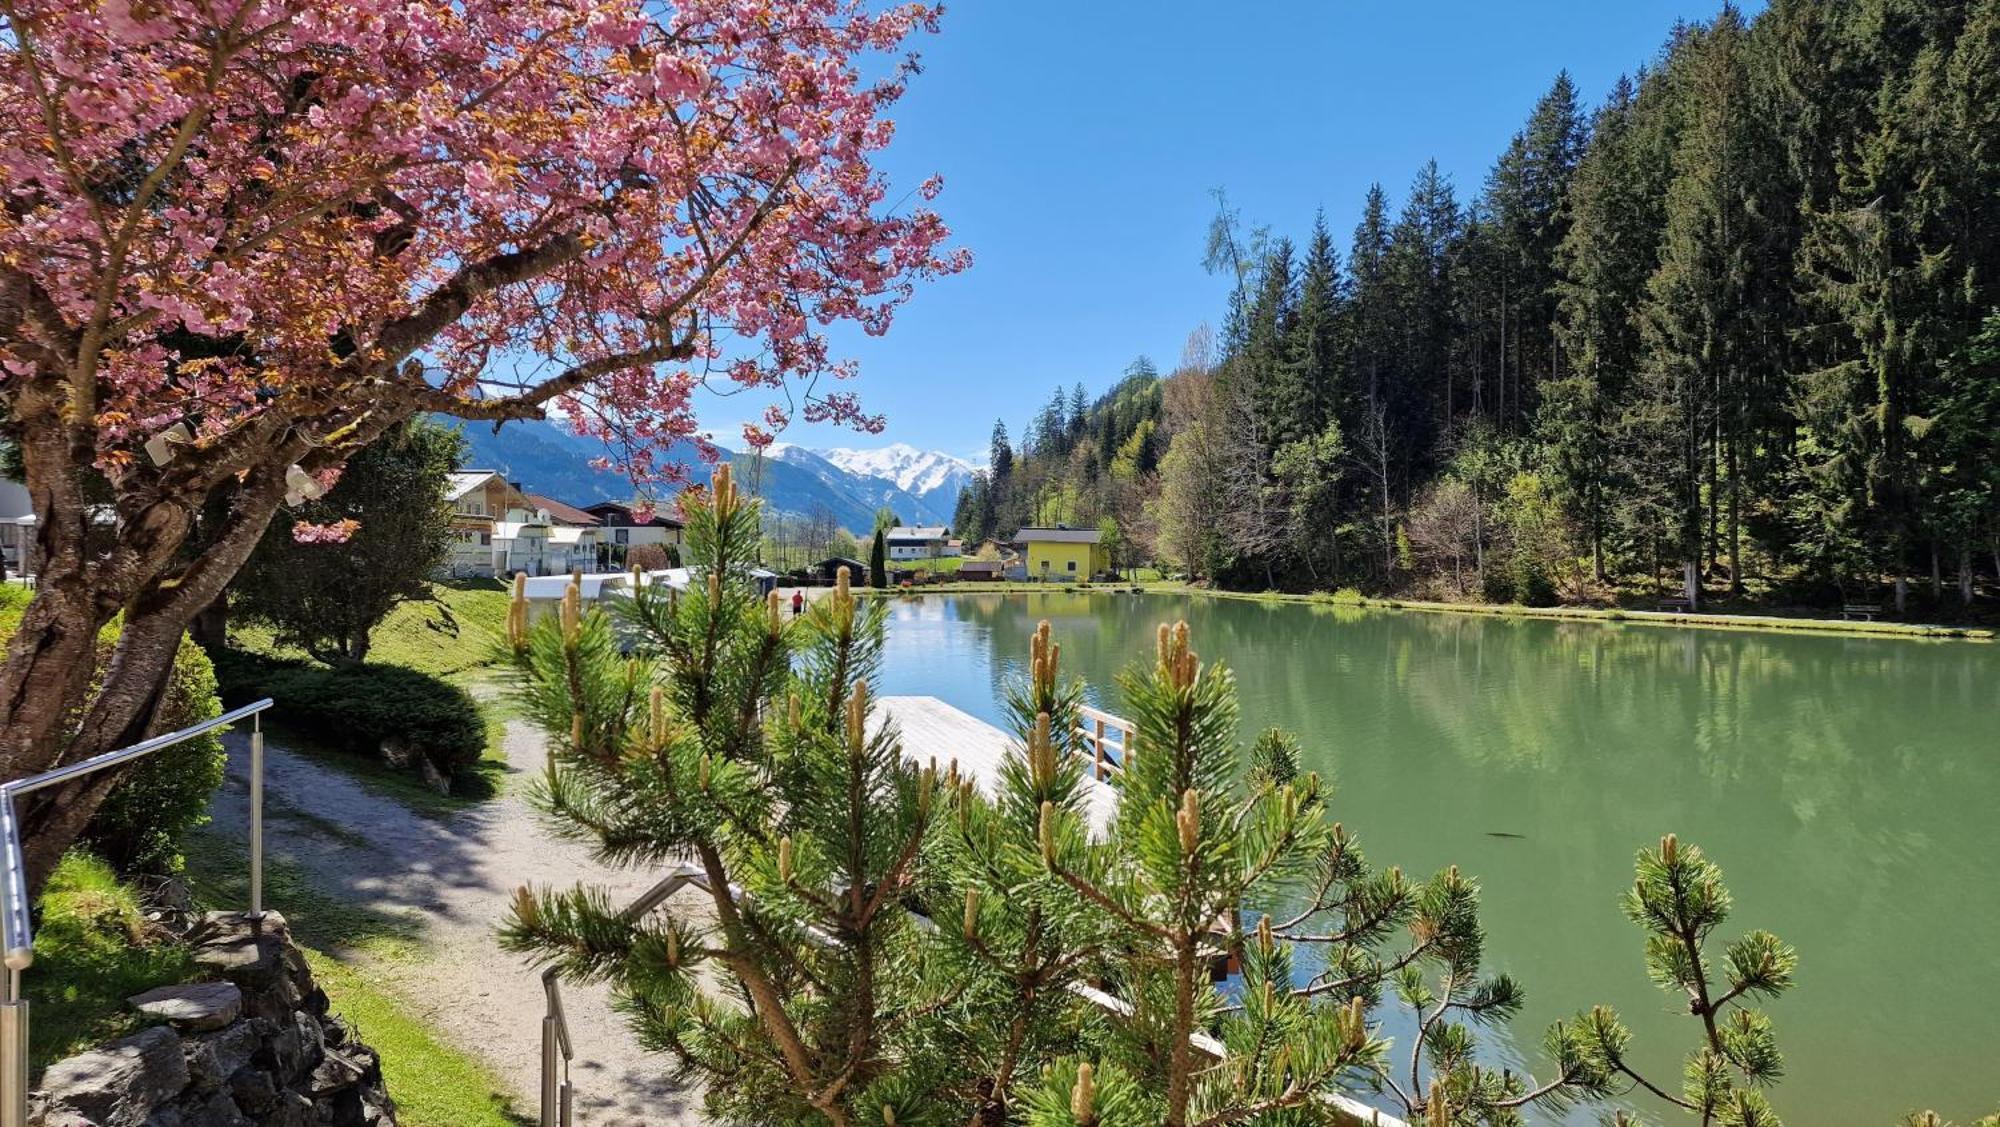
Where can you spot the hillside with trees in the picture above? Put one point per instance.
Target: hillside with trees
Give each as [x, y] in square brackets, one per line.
[1733, 332]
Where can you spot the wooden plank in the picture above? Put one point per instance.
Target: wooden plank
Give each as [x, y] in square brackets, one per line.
[932, 729]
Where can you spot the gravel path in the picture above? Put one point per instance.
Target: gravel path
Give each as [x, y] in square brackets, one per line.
[454, 876]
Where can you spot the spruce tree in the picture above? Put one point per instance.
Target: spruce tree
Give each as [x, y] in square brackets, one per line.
[878, 560]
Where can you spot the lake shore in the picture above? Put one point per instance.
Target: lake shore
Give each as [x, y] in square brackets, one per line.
[1716, 621]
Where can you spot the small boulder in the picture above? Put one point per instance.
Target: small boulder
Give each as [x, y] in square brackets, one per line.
[434, 778]
[195, 1006]
[212, 1059]
[118, 1085]
[397, 754]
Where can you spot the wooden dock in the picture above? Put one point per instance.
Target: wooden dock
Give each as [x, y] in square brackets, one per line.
[933, 729]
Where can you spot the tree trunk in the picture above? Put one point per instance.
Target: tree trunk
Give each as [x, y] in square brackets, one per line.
[1937, 575]
[1691, 574]
[1902, 592]
[211, 627]
[1965, 575]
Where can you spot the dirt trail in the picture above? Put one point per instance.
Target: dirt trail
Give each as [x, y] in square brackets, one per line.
[453, 878]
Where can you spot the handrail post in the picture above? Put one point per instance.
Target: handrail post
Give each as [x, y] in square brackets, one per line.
[13, 1053]
[1098, 743]
[551, 1099]
[257, 817]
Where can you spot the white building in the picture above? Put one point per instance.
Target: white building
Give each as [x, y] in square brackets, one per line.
[501, 530]
[620, 529]
[919, 542]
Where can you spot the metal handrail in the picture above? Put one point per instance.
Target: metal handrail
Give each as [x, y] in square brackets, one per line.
[16, 933]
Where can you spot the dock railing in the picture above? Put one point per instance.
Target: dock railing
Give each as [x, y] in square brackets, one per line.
[16, 932]
[1108, 740]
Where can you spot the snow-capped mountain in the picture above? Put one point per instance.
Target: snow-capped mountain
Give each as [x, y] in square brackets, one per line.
[922, 472]
[922, 486]
[850, 484]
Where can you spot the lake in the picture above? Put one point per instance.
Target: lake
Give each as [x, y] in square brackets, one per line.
[1848, 787]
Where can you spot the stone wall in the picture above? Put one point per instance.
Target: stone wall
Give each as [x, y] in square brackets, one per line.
[253, 1046]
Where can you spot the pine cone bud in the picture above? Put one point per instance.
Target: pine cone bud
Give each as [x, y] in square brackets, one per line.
[1083, 1097]
[840, 584]
[776, 615]
[656, 715]
[527, 909]
[857, 717]
[1189, 820]
[888, 1116]
[1264, 940]
[785, 858]
[673, 948]
[1047, 831]
[971, 913]
[701, 774]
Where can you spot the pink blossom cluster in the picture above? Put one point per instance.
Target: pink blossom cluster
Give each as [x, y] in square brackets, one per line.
[224, 208]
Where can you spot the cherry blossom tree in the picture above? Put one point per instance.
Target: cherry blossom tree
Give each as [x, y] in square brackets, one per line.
[241, 238]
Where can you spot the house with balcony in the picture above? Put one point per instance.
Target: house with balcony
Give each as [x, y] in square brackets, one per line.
[501, 529]
[619, 530]
[918, 542]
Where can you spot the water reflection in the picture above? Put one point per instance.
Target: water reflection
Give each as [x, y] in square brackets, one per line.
[1847, 787]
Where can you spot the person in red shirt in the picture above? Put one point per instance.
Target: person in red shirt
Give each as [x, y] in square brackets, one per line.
[798, 603]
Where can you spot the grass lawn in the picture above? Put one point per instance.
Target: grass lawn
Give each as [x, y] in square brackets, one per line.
[454, 636]
[458, 629]
[93, 950]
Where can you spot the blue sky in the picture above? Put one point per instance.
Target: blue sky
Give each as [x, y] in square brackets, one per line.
[1079, 141]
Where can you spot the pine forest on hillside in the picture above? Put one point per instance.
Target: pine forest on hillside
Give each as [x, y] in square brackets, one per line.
[1733, 331]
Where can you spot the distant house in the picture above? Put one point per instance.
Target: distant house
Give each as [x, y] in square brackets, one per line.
[829, 570]
[1063, 553]
[981, 569]
[619, 529]
[499, 530]
[919, 542]
[17, 528]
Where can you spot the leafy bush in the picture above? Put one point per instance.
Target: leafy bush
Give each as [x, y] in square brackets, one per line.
[139, 827]
[357, 707]
[652, 557]
[1351, 595]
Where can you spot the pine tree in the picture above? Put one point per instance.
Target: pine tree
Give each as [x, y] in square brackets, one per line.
[743, 741]
[878, 560]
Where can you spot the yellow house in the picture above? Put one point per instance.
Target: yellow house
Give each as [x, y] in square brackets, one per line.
[1064, 554]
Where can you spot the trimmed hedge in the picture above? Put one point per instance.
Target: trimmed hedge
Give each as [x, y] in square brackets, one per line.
[356, 708]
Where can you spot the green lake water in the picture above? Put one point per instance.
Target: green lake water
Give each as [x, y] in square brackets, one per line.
[1849, 788]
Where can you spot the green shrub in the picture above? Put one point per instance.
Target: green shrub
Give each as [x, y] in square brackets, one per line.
[139, 827]
[356, 707]
[1351, 595]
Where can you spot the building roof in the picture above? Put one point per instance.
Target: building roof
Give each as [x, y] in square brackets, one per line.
[1058, 535]
[460, 482]
[564, 514]
[917, 532]
[981, 565]
[840, 561]
[568, 534]
[611, 513]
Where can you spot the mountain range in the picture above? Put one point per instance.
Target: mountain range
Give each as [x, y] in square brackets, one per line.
[920, 486]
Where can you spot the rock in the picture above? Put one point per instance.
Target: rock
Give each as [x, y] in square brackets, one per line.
[433, 778]
[397, 753]
[119, 1085]
[213, 1059]
[194, 1006]
[253, 1090]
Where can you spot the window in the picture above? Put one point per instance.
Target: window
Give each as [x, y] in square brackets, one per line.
[486, 539]
[1072, 565]
[621, 535]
